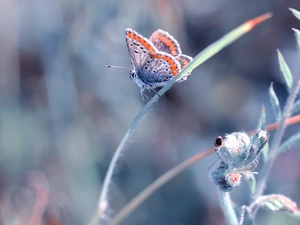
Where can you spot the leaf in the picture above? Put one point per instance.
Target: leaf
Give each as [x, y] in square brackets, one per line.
[275, 103]
[297, 34]
[217, 46]
[290, 142]
[286, 72]
[277, 203]
[262, 119]
[295, 108]
[295, 12]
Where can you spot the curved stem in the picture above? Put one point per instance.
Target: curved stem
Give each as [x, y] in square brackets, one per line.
[140, 198]
[273, 126]
[102, 205]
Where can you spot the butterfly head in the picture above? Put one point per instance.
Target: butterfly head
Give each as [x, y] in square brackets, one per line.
[132, 74]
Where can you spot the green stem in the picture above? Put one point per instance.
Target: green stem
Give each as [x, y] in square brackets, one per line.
[108, 177]
[146, 193]
[276, 141]
[227, 208]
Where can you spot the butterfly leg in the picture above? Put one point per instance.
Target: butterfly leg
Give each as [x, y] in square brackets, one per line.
[143, 94]
[152, 89]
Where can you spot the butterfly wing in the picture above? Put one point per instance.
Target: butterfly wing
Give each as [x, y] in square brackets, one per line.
[184, 60]
[157, 71]
[165, 42]
[140, 49]
[164, 64]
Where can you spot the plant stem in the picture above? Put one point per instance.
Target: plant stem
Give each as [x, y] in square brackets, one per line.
[108, 177]
[141, 197]
[289, 121]
[227, 208]
[276, 141]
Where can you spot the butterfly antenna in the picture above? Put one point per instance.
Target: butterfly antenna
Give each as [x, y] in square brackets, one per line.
[117, 67]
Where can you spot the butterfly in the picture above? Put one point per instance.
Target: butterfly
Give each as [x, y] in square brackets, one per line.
[155, 60]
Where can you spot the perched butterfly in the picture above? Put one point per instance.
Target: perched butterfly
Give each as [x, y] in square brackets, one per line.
[155, 60]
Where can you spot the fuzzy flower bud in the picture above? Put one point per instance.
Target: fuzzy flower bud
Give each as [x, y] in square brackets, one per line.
[258, 142]
[235, 148]
[220, 178]
[224, 178]
[239, 155]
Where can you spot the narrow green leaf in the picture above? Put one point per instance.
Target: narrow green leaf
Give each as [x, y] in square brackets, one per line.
[296, 13]
[262, 119]
[297, 34]
[275, 103]
[295, 108]
[290, 142]
[286, 72]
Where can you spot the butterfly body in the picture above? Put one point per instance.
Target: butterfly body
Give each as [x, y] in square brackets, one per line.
[155, 60]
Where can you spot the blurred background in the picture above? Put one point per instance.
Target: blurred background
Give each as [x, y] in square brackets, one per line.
[62, 113]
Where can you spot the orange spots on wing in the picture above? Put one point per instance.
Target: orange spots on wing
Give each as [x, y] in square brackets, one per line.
[155, 36]
[170, 44]
[183, 60]
[142, 41]
[128, 34]
[172, 63]
[163, 37]
[174, 52]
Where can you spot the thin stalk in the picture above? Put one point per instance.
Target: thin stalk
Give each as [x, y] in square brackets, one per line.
[140, 198]
[290, 121]
[273, 126]
[108, 177]
[276, 141]
[227, 207]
